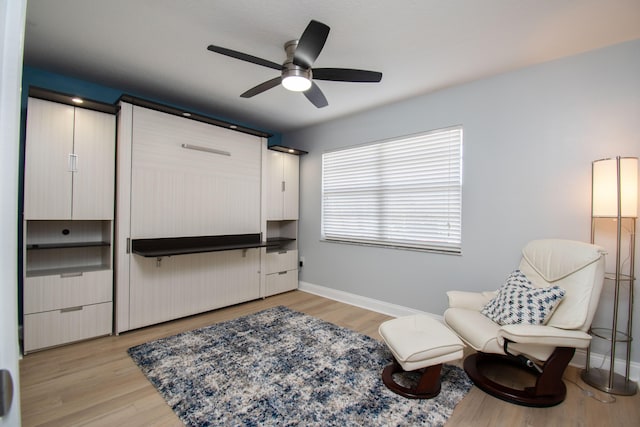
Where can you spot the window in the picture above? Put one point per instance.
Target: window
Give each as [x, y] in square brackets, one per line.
[405, 192]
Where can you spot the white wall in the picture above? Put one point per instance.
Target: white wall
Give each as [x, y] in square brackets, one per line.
[529, 139]
[12, 20]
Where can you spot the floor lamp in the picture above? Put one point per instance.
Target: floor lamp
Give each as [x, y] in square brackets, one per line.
[615, 198]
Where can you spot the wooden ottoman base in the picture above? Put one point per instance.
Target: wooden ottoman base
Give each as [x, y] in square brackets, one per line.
[428, 385]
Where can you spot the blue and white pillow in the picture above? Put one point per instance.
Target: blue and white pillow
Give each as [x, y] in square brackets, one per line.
[519, 302]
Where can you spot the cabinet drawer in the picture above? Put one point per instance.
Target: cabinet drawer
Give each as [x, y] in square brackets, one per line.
[45, 293]
[57, 327]
[281, 261]
[281, 282]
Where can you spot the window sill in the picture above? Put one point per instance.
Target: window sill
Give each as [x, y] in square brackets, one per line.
[436, 250]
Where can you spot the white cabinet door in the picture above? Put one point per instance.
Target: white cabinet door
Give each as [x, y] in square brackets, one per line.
[69, 162]
[282, 186]
[48, 146]
[274, 185]
[291, 177]
[93, 181]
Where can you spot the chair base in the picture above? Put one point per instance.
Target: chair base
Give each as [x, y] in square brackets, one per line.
[549, 389]
[428, 385]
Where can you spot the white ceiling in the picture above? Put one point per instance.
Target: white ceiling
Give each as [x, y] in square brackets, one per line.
[157, 48]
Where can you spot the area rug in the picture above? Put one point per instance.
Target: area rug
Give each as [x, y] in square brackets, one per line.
[285, 368]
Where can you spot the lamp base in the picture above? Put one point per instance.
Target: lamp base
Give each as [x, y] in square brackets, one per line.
[599, 378]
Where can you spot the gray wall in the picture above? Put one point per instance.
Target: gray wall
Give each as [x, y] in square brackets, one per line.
[529, 139]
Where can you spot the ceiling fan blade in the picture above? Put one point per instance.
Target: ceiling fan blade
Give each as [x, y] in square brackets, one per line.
[310, 44]
[347, 75]
[261, 87]
[244, 57]
[315, 95]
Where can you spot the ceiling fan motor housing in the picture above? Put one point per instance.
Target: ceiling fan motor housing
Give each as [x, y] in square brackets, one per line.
[294, 77]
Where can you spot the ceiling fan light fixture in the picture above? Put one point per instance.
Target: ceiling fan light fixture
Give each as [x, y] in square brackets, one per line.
[296, 83]
[295, 78]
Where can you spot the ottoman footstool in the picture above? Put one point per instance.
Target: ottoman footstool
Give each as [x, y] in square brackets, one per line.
[418, 342]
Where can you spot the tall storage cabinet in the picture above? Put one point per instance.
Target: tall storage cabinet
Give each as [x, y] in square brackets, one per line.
[281, 256]
[68, 222]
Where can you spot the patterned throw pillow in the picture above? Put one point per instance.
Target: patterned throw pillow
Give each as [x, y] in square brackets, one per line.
[518, 301]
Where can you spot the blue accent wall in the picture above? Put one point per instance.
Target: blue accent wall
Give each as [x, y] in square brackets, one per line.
[59, 83]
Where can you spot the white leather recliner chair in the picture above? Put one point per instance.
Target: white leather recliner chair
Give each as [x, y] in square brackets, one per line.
[540, 338]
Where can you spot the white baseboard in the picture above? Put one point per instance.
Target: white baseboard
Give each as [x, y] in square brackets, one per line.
[378, 306]
[603, 361]
[394, 310]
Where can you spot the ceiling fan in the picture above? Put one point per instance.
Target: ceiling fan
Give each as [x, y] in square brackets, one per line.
[296, 72]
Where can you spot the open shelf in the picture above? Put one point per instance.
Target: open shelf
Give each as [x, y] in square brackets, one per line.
[623, 277]
[63, 247]
[36, 246]
[275, 244]
[606, 334]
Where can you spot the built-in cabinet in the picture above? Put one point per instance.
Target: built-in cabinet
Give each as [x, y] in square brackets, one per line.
[281, 256]
[282, 185]
[281, 270]
[68, 223]
[70, 157]
[206, 217]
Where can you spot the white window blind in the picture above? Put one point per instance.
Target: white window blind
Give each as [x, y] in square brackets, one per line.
[405, 192]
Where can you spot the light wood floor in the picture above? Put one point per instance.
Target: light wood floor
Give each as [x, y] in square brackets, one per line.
[96, 383]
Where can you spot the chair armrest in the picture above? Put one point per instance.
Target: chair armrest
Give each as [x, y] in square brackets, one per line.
[544, 335]
[469, 300]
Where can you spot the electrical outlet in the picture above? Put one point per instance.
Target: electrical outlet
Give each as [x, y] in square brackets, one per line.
[301, 262]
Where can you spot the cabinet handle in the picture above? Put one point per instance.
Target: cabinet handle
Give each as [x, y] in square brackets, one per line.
[73, 162]
[70, 309]
[283, 186]
[282, 272]
[76, 274]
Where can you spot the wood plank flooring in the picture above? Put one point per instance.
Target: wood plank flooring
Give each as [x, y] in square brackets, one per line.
[95, 383]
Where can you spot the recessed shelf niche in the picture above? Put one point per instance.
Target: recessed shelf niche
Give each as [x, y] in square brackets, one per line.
[67, 247]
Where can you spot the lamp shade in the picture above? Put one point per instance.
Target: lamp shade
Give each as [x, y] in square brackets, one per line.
[615, 185]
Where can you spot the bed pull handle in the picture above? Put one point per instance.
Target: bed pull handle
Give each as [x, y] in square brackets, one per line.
[206, 149]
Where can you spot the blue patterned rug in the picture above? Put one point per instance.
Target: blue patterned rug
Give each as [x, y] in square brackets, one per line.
[285, 368]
